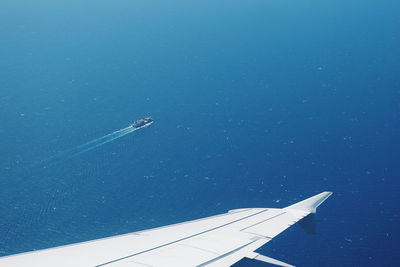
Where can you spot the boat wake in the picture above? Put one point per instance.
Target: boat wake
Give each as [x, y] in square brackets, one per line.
[95, 143]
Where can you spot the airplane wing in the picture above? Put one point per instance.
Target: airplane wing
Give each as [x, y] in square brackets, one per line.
[220, 240]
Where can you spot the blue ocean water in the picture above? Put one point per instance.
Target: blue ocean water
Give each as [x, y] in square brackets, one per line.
[256, 103]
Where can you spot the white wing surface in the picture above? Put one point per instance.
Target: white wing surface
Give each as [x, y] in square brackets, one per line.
[220, 240]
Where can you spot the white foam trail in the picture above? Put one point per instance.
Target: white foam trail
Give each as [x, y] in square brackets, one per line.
[87, 147]
[101, 139]
[92, 144]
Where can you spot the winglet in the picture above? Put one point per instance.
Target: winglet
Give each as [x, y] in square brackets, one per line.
[259, 257]
[310, 204]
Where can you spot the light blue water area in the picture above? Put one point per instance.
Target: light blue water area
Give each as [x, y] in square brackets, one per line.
[256, 104]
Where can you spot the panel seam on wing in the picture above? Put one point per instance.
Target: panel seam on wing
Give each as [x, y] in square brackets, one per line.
[263, 221]
[179, 240]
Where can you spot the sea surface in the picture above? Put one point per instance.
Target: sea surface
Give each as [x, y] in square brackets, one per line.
[256, 103]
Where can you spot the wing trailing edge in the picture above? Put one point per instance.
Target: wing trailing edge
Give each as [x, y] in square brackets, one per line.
[262, 258]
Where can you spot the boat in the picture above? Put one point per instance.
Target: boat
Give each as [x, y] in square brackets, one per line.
[142, 122]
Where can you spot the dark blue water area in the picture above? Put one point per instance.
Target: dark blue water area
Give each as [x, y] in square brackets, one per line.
[256, 104]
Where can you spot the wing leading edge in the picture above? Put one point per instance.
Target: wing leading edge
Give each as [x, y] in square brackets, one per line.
[220, 240]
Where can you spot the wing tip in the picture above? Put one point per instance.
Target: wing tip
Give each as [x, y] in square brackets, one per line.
[310, 204]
